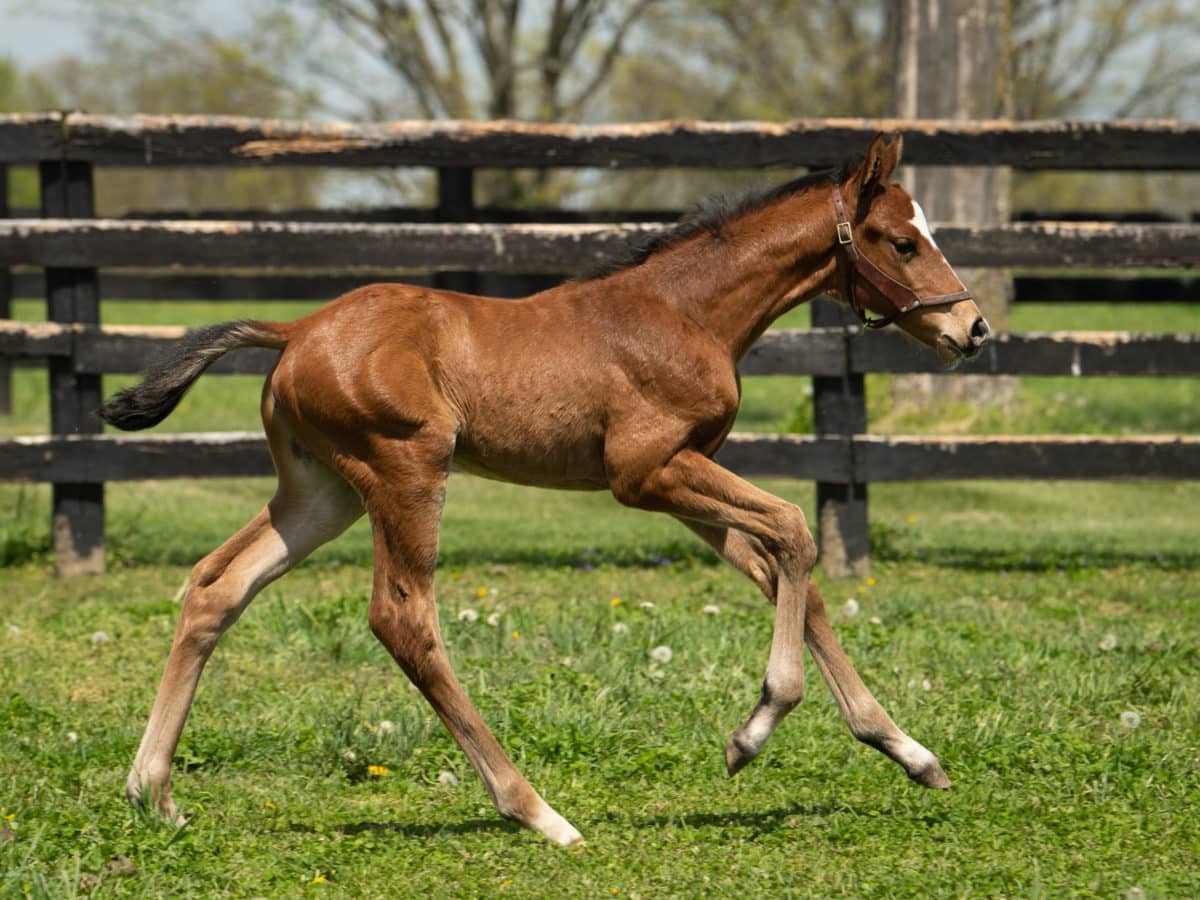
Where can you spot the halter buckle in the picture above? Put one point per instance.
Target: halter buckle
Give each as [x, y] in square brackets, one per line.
[844, 234]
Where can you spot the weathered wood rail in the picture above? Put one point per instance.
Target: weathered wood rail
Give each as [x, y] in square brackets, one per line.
[1163, 144]
[319, 253]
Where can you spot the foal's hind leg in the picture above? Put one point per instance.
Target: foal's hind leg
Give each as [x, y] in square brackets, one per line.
[868, 721]
[404, 506]
[313, 505]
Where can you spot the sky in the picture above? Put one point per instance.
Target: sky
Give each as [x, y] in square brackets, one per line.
[33, 32]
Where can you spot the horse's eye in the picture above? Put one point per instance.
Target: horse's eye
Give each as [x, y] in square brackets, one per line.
[904, 246]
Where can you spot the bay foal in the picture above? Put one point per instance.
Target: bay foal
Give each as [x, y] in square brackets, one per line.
[626, 382]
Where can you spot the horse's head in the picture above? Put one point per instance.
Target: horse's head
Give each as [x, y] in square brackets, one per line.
[889, 264]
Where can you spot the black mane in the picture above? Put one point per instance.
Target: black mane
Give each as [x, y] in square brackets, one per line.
[710, 215]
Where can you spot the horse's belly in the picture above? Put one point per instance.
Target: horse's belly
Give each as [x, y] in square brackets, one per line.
[571, 466]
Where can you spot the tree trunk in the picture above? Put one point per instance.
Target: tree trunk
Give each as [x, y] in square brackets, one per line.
[953, 63]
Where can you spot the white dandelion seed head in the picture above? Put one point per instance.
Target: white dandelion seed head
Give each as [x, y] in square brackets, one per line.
[14, 630]
[620, 628]
[875, 620]
[711, 610]
[1135, 893]
[646, 605]
[1109, 642]
[494, 620]
[386, 726]
[926, 685]
[468, 616]
[447, 777]
[100, 637]
[850, 608]
[350, 756]
[661, 653]
[1130, 719]
[72, 737]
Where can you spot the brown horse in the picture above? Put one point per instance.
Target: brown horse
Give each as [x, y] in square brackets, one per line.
[624, 382]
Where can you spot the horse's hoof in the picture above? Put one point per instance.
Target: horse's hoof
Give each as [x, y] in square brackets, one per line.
[737, 755]
[931, 776]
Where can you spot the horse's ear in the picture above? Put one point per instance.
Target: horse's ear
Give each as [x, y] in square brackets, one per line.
[881, 161]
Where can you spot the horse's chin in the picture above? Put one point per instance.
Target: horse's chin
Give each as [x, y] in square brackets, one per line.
[950, 354]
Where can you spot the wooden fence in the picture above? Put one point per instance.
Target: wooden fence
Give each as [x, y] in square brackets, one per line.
[321, 253]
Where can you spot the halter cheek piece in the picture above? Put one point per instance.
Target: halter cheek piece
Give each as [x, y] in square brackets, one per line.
[903, 298]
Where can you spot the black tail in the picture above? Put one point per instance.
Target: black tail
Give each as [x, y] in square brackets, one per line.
[169, 378]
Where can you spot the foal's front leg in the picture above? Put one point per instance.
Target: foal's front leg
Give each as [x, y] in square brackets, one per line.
[768, 539]
[867, 720]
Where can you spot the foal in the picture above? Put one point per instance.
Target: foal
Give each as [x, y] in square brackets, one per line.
[626, 382]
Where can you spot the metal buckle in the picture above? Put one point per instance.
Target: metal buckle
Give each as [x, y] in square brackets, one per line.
[844, 234]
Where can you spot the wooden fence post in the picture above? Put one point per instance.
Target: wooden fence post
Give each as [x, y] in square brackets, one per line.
[73, 295]
[6, 293]
[456, 203]
[840, 410]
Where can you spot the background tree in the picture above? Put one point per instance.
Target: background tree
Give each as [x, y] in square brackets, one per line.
[163, 58]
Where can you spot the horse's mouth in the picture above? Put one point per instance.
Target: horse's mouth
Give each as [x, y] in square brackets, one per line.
[953, 353]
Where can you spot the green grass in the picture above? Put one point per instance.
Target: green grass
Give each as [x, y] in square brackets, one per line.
[996, 602]
[1051, 795]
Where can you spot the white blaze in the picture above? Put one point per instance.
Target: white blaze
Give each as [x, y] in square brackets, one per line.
[919, 222]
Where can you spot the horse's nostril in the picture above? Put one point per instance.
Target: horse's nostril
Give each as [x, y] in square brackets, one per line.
[980, 331]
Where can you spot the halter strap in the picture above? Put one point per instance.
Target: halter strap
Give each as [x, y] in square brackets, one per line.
[903, 298]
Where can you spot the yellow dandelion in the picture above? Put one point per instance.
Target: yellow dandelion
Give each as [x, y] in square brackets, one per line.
[870, 582]
[320, 879]
[378, 771]
[269, 805]
[911, 517]
[454, 576]
[481, 592]
[615, 601]
[10, 817]
[374, 728]
[516, 635]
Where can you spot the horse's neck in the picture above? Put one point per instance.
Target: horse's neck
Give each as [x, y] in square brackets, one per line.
[763, 264]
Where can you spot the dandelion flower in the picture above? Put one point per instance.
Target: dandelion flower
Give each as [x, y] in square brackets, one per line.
[615, 601]
[1109, 642]
[350, 756]
[875, 620]
[481, 592]
[447, 778]
[100, 637]
[454, 576]
[378, 771]
[320, 879]
[646, 605]
[468, 616]
[72, 737]
[850, 608]
[661, 653]
[494, 620]
[386, 726]
[926, 685]
[269, 805]
[516, 635]
[620, 628]
[871, 582]
[1130, 720]
[14, 630]
[711, 610]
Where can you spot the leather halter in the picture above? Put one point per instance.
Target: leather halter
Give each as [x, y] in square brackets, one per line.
[903, 298]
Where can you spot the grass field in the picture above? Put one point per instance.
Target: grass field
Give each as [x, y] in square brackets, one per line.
[1043, 639]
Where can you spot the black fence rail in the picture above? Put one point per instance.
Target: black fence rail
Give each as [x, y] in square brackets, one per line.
[72, 258]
